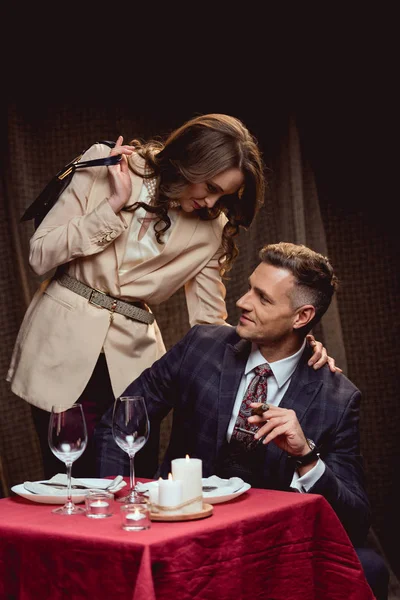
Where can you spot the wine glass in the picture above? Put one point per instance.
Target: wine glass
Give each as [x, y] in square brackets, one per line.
[130, 428]
[67, 440]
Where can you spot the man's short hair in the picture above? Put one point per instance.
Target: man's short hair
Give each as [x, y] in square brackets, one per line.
[313, 274]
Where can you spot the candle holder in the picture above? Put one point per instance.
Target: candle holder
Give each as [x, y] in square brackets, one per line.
[135, 517]
[98, 504]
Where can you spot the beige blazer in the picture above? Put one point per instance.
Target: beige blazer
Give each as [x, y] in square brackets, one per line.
[62, 335]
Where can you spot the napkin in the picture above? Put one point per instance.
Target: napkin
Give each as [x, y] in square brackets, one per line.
[44, 490]
[224, 486]
[112, 485]
[144, 487]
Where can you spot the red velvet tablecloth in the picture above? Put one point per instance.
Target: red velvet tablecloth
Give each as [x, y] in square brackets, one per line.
[263, 545]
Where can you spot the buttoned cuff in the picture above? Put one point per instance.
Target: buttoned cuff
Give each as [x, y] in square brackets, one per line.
[305, 482]
[103, 225]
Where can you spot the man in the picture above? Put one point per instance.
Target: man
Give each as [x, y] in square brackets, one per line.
[305, 437]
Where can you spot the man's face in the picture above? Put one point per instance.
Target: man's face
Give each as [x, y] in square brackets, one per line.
[267, 312]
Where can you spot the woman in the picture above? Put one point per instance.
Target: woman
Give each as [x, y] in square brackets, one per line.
[118, 238]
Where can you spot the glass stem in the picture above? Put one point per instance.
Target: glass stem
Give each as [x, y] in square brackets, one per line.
[69, 487]
[132, 471]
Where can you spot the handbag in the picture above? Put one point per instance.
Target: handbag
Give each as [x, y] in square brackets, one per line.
[53, 190]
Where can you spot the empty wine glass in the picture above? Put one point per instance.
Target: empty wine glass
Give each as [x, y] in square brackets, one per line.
[67, 440]
[130, 428]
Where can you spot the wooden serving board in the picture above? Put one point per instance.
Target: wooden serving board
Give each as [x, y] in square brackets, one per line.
[206, 512]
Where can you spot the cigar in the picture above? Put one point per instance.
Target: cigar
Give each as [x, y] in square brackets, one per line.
[259, 410]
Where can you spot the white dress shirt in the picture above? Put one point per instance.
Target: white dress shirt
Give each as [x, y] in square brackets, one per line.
[278, 383]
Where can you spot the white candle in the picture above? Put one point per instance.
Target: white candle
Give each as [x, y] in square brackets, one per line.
[136, 516]
[153, 495]
[170, 492]
[190, 471]
[99, 503]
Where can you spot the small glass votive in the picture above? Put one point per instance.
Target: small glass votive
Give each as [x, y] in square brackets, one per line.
[99, 504]
[135, 517]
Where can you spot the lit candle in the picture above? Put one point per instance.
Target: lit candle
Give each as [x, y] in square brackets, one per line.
[98, 504]
[189, 470]
[136, 515]
[170, 493]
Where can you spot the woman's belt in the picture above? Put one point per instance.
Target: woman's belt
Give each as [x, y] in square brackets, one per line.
[133, 310]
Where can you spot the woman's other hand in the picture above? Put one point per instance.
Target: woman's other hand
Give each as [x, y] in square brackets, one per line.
[320, 355]
[120, 179]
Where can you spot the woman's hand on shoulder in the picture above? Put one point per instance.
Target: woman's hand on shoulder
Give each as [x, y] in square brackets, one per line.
[120, 179]
[320, 356]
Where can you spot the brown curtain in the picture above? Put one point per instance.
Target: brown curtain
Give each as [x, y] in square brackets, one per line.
[302, 205]
[300, 221]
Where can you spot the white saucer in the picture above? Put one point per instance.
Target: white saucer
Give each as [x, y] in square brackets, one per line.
[77, 495]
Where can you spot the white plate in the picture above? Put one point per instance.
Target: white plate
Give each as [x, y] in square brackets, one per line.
[223, 495]
[77, 495]
[215, 497]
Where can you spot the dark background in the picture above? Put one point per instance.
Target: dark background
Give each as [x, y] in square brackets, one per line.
[335, 75]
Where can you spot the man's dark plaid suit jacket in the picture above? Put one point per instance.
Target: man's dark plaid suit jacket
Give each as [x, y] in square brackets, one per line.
[199, 378]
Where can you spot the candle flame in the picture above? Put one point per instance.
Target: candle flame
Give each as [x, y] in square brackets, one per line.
[170, 476]
[137, 511]
[187, 457]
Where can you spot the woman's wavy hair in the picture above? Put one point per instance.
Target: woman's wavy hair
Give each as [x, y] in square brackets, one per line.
[195, 152]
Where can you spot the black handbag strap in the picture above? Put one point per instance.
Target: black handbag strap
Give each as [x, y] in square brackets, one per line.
[50, 194]
[96, 162]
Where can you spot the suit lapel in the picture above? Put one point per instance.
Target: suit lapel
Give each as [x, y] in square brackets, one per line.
[303, 387]
[233, 366]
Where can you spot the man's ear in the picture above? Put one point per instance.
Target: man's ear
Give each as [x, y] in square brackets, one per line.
[304, 315]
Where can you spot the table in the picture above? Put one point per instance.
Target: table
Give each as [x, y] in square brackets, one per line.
[264, 544]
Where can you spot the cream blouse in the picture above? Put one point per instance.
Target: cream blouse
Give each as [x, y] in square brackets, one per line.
[137, 251]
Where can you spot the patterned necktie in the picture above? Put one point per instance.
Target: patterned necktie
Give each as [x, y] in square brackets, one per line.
[256, 392]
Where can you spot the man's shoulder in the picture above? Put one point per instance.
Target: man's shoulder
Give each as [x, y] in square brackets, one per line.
[226, 334]
[206, 343]
[336, 383]
[341, 383]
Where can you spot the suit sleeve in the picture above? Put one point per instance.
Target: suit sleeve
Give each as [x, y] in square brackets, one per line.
[69, 230]
[159, 385]
[205, 293]
[342, 482]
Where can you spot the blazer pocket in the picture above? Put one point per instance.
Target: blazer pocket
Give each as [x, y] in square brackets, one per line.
[63, 301]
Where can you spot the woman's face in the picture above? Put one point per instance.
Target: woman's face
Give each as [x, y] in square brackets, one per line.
[199, 195]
